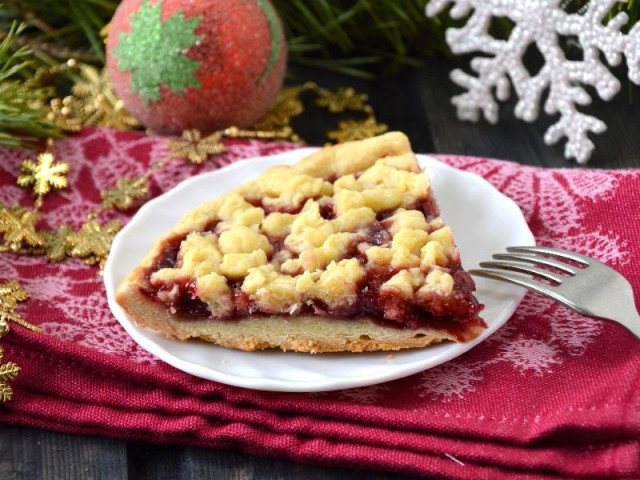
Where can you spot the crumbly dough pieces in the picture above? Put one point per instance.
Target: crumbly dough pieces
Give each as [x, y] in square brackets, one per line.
[358, 180]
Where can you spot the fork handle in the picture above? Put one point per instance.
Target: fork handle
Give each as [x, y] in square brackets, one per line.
[630, 320]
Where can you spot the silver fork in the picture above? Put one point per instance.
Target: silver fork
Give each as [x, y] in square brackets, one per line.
[590, 287]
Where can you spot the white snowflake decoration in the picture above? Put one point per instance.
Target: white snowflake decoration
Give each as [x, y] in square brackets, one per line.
[541, 22]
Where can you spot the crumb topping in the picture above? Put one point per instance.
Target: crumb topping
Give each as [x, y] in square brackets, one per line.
[317, 233]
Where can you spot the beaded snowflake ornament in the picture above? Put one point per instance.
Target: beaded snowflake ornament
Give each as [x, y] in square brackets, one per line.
[541, 22]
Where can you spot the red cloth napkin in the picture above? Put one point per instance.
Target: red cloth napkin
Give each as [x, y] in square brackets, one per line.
[550, 394]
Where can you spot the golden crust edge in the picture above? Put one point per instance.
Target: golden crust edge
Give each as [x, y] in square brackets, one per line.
[354, 335]
[367, 151]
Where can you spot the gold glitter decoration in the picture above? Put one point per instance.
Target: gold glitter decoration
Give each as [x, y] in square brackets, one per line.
[285, 133]
[117, 117]
[357, 130]
[8, 372]
[43, 175]
[66, 113]
[93, 241]
[345, 98]
[195, 148]
[286, 105]
[101, 105]
[55, 243]
[92, 102]
[11, 294]
[126, 192]
[19, 228]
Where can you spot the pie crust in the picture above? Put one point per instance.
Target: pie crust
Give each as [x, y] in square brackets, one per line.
[343, 251]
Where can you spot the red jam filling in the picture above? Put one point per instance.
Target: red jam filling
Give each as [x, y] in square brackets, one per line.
[169, 257]
[453, 313]
[187, 303]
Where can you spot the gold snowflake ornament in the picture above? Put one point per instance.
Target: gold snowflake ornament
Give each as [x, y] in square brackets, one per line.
[286, 105]
[126, 192]
[55, 243]
[92, 102]
[345, 98]
[44, 174]
[101, 105]
[93, 241]
[357, 130]
[67, 113]
[18, 226]
[8, 372]
[10, 295]
[195, 148]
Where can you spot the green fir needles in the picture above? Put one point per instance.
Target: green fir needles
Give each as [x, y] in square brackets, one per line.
[23, 109]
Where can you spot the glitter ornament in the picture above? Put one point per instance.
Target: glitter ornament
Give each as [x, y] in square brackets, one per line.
[541, 22]
[206, 65]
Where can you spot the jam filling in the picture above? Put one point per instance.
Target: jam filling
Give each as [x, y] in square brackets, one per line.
[169, 257]
[326, 211]
[452, 313]
[187, 303]
[428, 206]
[268, 208]
[377, 235]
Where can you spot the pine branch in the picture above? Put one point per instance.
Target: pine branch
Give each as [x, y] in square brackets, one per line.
[62, 26]
[23, 114]
[361, 38]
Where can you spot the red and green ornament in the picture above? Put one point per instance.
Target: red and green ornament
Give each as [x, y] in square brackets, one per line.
[209, 64]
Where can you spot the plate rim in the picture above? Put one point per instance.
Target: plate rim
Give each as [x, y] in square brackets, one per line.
[144, 337]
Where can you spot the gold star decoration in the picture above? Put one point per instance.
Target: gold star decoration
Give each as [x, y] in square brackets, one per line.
[126, 192]
[92, 102]
[8, 372]
[43, 175]
[18, 227]
[345, 98]
[193, 147]
[55, 243]
[93, 241]
[286, 105]
[66, 113]
[10, 295]
[102, 106]
[357, 130]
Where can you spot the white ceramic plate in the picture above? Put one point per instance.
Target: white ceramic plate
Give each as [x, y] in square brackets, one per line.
[483, 221]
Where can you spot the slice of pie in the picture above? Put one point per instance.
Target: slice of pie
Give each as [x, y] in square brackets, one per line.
[343, 251]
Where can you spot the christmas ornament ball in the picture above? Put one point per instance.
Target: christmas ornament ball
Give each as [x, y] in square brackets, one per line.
[210, 64]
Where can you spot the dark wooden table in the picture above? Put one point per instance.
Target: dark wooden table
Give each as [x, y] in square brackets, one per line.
[416, 102]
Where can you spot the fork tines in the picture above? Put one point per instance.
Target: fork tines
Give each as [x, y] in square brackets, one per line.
[586, 285]
[516, 261]
[554, 252]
